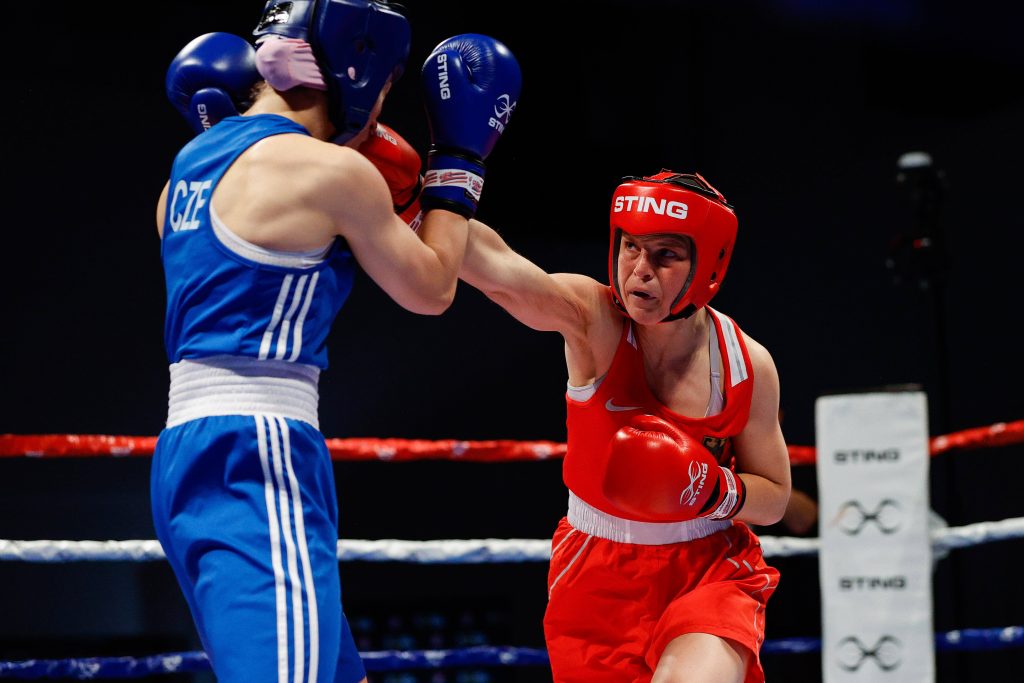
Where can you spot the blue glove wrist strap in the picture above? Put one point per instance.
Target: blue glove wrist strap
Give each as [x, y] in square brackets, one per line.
[453, 181]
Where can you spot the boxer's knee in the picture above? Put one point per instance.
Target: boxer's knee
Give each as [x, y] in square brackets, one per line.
[700, 658]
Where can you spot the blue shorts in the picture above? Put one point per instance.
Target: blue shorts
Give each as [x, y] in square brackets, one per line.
[246, 510]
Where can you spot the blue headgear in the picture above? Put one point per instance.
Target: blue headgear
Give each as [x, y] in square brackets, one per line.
[358, 45]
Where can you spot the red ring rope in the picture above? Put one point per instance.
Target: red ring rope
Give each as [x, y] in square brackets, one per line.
[87, 445]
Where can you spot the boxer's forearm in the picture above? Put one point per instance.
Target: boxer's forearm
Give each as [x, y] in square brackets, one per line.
[532, 296]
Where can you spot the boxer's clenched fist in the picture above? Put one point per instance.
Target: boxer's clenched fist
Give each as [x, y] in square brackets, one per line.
[471, 85]
[657, 470]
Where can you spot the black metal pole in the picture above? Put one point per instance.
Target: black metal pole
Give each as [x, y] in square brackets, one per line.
[922, 254]
[925, 245]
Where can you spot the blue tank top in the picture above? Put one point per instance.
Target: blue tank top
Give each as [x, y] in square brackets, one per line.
[227, 296]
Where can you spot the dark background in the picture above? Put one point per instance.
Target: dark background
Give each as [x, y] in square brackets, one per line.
[797, 111]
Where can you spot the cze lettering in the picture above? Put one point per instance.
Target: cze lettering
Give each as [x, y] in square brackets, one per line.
[204, 116]
[196, 193]
[849, 583]
[442, 76]
[886, 455]
[662, 207]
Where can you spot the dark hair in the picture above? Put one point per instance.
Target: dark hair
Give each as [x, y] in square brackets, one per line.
[255, 91]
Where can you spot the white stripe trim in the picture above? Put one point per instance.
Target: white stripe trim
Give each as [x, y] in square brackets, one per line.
[728, 544]
[566, 538]
[294, 582]
[297, 341]
[737, 365]
[760, 608]
[268, 335]
[275, 554]
[257, 254]
[307, 570]
[569, 566]
[286, 324]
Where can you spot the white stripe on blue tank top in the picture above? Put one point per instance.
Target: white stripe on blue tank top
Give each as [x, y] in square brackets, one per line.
[284, 319]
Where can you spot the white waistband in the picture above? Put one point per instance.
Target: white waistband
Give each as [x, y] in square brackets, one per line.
[236, 385]
[589, 520]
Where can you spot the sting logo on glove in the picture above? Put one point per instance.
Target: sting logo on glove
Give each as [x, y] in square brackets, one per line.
[650, 458]
[502, 113]
[443, 90]
[471, 83]
[698, 472]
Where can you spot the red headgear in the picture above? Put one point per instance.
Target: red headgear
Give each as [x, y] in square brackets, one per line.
[676, 204]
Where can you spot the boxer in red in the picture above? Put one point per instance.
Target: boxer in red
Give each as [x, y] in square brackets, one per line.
[674, 444]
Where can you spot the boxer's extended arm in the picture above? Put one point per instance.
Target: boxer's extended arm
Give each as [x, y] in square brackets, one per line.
[474, 70]
[762, 458]
[562, 302]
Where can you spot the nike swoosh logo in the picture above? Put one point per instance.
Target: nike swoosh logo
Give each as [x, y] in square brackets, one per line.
[615, 409]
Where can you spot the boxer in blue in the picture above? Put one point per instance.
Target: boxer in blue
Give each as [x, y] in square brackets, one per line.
[262, 223]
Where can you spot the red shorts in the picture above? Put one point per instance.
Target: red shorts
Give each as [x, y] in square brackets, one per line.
[614, 607]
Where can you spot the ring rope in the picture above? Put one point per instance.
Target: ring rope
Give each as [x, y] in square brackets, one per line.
[399, 450]
[471, 551]
[443, 551]
[391, 660]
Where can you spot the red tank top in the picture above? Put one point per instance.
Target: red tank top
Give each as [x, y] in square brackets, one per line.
[624, 393]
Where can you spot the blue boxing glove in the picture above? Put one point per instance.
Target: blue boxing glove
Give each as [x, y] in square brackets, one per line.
[211, 77]
[471, 84]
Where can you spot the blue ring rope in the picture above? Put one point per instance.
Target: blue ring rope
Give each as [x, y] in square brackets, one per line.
[390, 660]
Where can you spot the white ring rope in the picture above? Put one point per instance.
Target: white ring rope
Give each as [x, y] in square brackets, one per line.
[463, 551]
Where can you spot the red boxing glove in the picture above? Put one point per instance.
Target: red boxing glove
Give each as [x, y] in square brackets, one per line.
[400, 165]
[657, 471]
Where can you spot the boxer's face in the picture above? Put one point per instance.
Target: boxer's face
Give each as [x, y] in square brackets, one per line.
[652, 270]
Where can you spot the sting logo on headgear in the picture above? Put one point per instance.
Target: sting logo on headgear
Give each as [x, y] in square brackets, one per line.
[641, 204]
[358, 45]
[676, 204]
